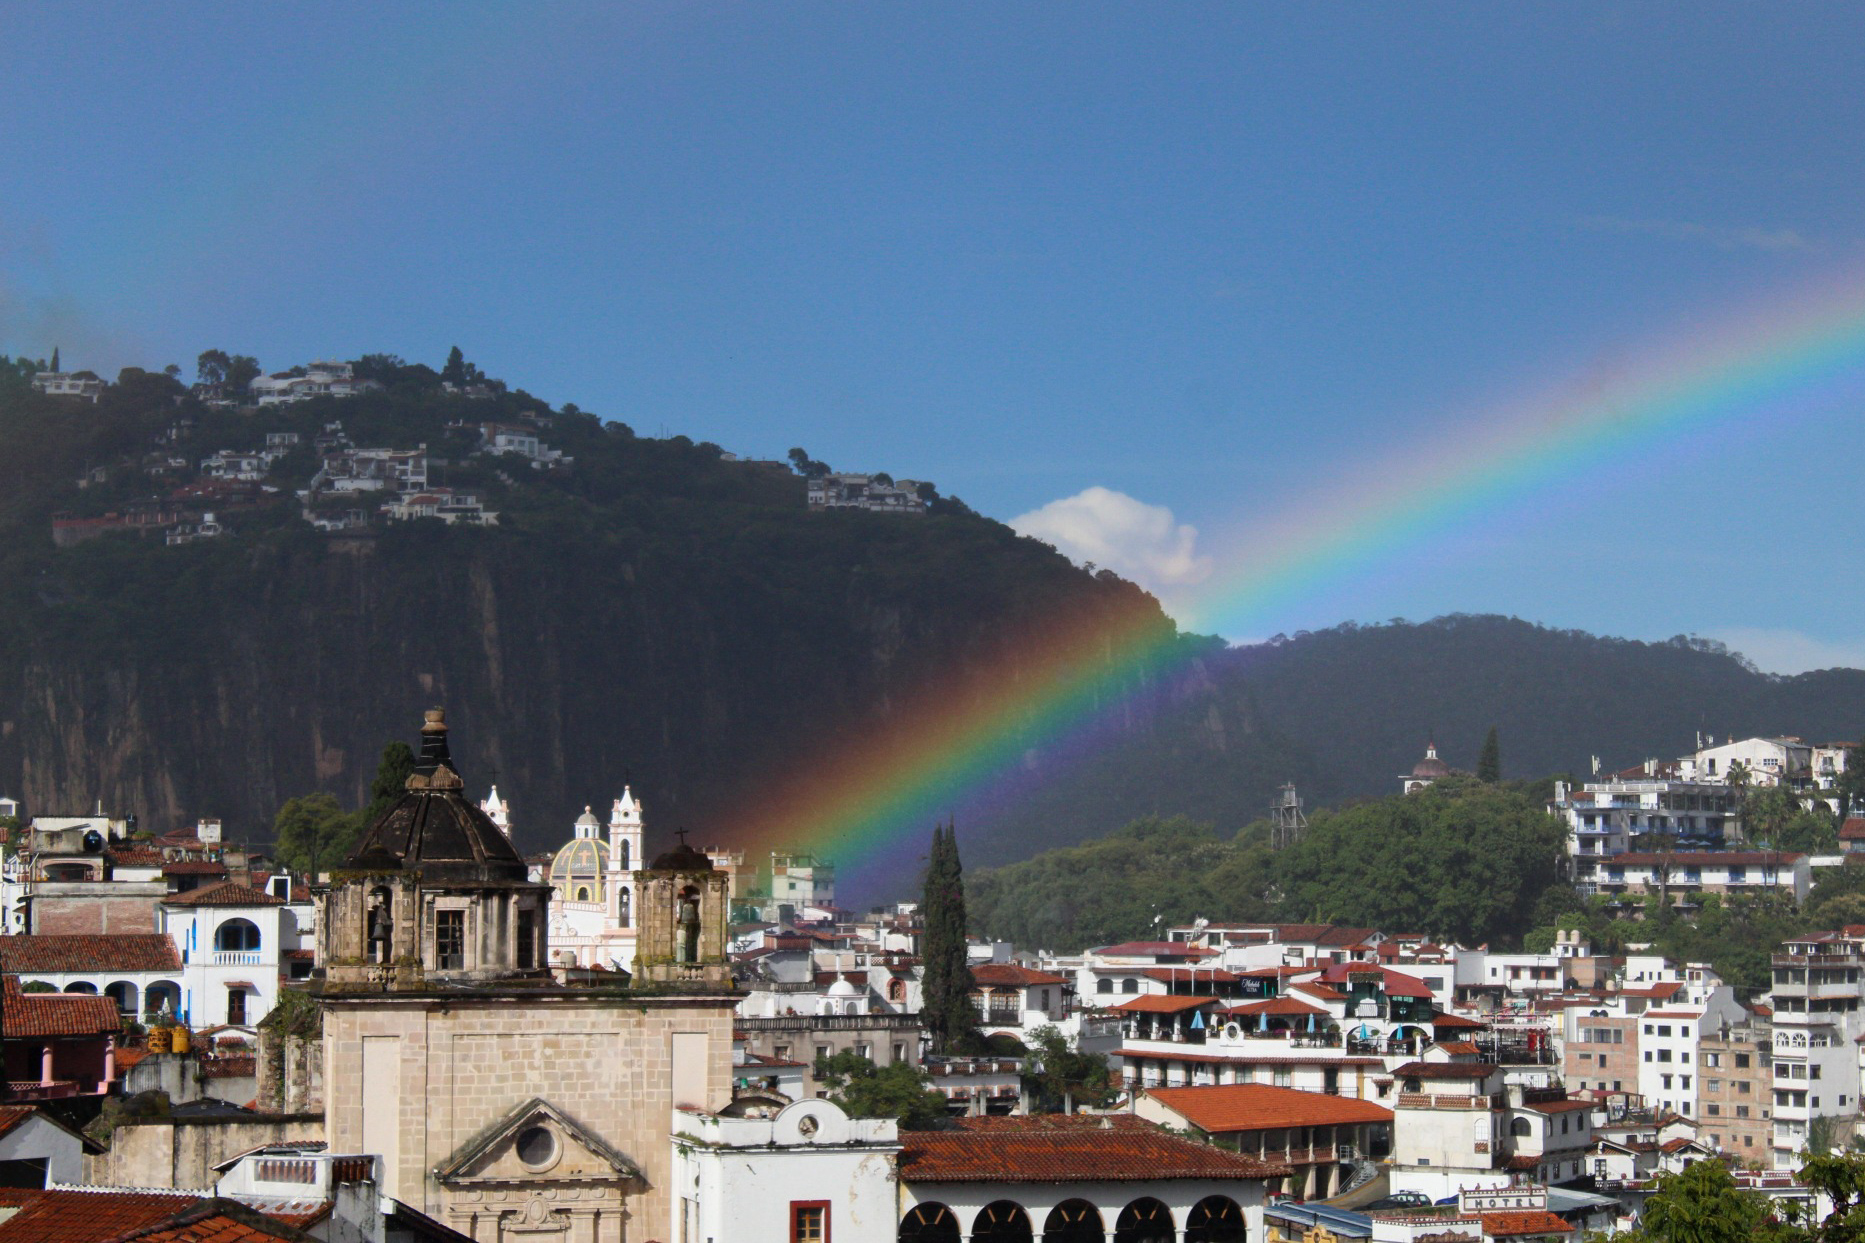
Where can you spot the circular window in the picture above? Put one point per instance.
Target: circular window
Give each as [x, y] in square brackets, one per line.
[537, 1147]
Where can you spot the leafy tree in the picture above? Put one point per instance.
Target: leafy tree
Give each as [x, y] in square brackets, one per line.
[1489, 763]
[899, 1091]
[1701, 1205]
[1851, 783]
[1459, 859]
[211, 368]
[391, 780]
[242, 370]
[1061, 1077]
[807, 466]
[311, 832]
[947, 1009]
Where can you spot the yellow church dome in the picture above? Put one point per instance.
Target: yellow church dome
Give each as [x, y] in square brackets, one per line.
[577, 871]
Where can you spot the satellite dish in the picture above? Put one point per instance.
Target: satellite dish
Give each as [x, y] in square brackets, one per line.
[93, 841]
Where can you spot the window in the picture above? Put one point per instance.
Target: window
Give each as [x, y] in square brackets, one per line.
[527, 940]
[1714, 1109]
[1741, 1087]
[1713, 1059]
[1282, 1077]
[236, 936]
[1741, 1061]
[450, 940]
[809, 1221]
[1104, 985]
[236, 1006]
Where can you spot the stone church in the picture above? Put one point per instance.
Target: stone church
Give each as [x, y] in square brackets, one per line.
[502, 1102]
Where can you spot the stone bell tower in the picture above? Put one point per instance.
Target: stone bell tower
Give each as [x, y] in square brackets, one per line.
[685, 903]
[434, 893]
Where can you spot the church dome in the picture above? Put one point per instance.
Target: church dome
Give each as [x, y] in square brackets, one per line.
[1431, 765]
[682, 858]
[434, 828]
[587, 821]
[577, 871]
[842, 987]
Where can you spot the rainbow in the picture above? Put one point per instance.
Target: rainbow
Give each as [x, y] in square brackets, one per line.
[870, 804]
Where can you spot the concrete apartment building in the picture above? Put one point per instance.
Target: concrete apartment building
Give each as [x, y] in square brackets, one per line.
[1735, 1097]
[1817, 1025]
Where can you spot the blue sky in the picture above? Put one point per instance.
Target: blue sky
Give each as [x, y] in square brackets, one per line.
[1196, 257]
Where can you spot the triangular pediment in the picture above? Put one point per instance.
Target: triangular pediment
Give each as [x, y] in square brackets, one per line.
[536, 1142]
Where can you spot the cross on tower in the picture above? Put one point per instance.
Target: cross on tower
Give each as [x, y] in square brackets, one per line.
[681, 834]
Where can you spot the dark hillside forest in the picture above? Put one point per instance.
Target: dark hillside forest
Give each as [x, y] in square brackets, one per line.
[653, 612]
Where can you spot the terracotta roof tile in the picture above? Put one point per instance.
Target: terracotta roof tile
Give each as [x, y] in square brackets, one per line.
[133, 951]
[1011, 975]
[1141, 949]
[195, 867]
[38, 1015]
[1163, 1003]
[1277, 1005]
[231, 893]
[1258, 1106]
[1036, 1150]
[1526, 1221]
[89, 1216]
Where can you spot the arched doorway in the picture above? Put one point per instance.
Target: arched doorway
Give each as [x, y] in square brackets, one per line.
[125, 994]
[82, 987]
[159, 996]
[1215, 1219]
[1145, 1220]
[930, 1223]
[1074, 1221]
[1001, 1221]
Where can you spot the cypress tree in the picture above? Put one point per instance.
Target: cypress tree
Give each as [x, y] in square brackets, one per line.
[1489, 764]
[54, 358]
[947, 983]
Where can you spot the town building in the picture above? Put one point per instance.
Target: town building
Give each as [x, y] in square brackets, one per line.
[232, 939]
[1817, 1025]
[1076, 1177]
[1320, 1138]
[593, 892]
[874, 493]
[1736, 1092]
[319, 379]
[83, 385]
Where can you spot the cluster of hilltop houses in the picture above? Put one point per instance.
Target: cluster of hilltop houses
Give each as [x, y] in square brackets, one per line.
[439, 1036]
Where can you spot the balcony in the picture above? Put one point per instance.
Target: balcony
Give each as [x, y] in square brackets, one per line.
[234, 958]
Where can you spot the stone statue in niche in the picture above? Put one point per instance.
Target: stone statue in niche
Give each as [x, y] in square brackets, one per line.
[688, 920]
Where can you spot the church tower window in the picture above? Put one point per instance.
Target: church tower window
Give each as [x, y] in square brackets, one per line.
[450, 940]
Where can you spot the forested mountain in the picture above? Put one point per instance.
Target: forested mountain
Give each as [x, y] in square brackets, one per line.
[654, 612]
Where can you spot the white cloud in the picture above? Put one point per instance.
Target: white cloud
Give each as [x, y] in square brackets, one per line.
[1137, 541]
[1705, 234]
[1792, 651]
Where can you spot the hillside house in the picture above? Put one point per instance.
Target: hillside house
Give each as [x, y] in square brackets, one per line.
[876, 494]
[319, 379]
[83, 385]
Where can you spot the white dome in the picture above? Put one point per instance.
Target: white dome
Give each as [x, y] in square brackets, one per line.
[842, 988]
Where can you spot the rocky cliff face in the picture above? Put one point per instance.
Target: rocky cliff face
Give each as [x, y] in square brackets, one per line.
[239, 676]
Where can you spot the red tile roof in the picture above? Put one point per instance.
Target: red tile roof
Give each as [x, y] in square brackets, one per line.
[1054, 1149]
[1456, 1021]
[131, 951]
[1163, 1003]
[1140, 949]
[39, 1015]
[88, 1216]
[1557, 1107]
[1392, 983]
[231, 893]
[1277, 1005]
[1011, 975]
[136, 857]
[1526, 1221]
[1460, 1048]
[1191, 975]
[1853, 829]
[1257, 1106]
[195, 867]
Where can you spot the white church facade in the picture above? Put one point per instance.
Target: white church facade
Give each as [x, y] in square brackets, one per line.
[592, 914]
